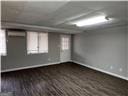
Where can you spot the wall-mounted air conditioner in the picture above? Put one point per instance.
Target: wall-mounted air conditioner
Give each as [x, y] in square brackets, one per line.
[16, 34]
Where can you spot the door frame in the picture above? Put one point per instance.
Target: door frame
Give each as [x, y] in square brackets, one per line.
[68, 52]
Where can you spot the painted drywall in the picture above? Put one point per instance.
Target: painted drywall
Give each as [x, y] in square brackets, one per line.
[104, 49]
[127, 50]
[17, 56]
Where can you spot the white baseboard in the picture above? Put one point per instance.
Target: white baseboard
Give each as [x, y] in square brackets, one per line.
[34, 66]
[103, 71]
[54, 63]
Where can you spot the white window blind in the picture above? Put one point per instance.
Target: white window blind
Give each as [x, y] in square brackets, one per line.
[2, 42]
[37, 42]
[65, 43]
[43, 42]
[32, 42]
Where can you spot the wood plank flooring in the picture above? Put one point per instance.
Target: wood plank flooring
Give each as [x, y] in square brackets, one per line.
[67, 79]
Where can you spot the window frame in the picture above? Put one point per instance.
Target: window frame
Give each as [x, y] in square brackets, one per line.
[65, 43]
[44, 51]
[38, 51]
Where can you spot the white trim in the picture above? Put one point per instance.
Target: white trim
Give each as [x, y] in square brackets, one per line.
[0, 73]
[34, 66]
[6, 25]
[101, 70]
[54, 63]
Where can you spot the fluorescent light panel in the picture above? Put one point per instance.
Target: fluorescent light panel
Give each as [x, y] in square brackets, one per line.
[91, 21]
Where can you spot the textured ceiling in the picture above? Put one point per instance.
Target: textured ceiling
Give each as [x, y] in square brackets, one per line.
[58, 14]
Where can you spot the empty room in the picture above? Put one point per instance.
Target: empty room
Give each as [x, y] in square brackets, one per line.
[64, 48]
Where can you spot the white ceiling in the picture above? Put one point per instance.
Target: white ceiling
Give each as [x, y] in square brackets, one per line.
[58, 14]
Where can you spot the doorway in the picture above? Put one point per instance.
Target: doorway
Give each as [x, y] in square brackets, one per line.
[65, 49]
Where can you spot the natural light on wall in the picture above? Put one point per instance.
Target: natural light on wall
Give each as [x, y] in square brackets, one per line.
[90, 21]
[2, 42]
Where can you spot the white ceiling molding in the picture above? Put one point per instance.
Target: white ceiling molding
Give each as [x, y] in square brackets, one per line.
[9, 25]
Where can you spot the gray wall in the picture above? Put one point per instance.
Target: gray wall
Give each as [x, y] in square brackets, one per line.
[17, 54]
[127, 49]
[104, 49]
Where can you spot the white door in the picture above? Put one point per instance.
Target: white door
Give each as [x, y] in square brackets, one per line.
[65, 49]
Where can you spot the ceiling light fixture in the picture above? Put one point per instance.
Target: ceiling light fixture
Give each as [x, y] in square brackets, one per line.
[91, 21]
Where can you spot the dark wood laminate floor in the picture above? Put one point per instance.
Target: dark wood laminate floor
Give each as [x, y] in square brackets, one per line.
[67, 79]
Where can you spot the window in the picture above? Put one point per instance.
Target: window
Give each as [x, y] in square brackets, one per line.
[32, 42]
[43, 42]
[37, 42]
[2, 42]
[65, 43]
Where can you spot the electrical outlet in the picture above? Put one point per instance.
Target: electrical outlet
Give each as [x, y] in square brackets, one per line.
[111, 67]
[7, 94]
[120, 69]
[49, 59]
